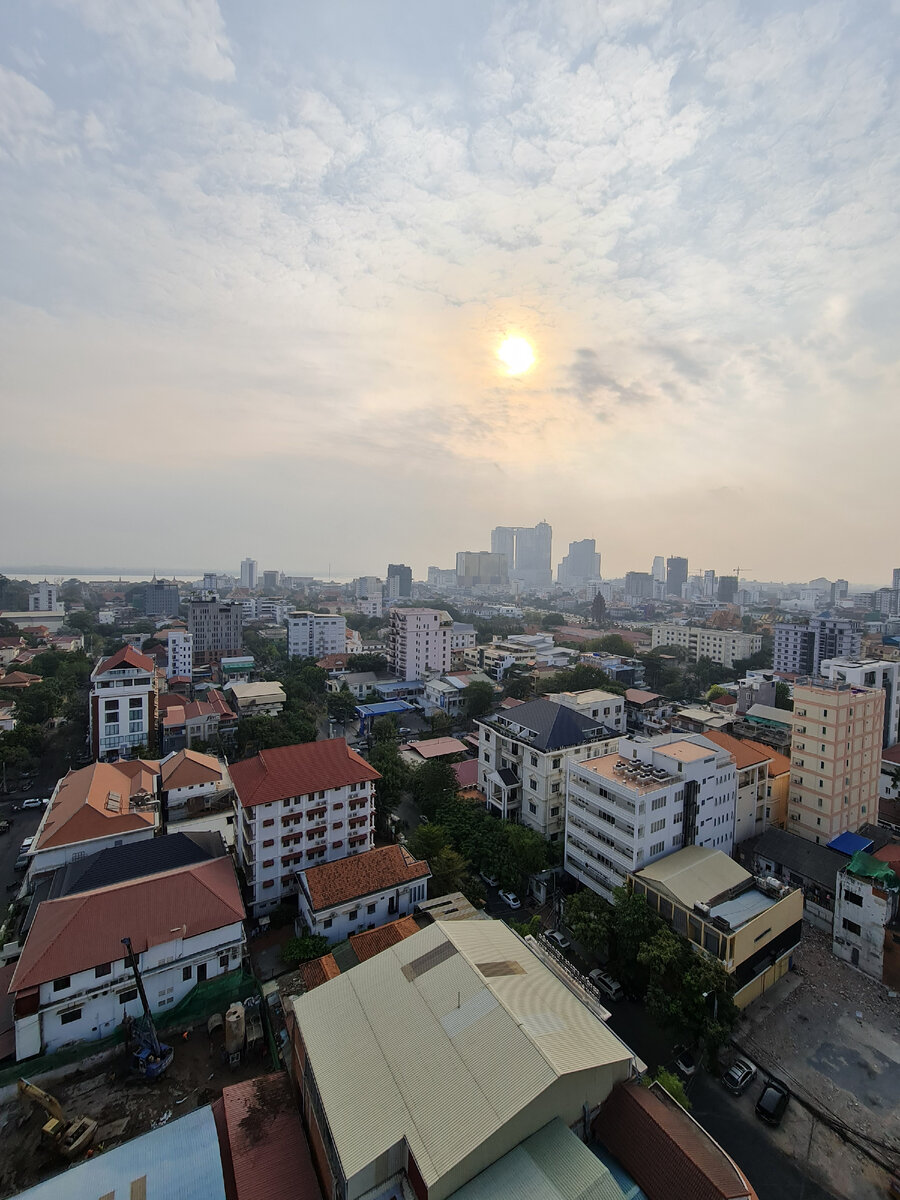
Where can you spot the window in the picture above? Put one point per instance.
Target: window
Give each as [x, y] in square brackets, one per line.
[532, 783]
[223, 961]
[353, 914]
[554, 812]
[853, 898]
[532, 808]
[64, 981]
[534, 760]
[656, 826]
[370, 909]
[659, 802]
[269, 862]
[268, 883]
[268, 842]
[658, 848]
[554, 788]
[127, 997]
[852, 927]
[270, 821]
[556, 763]
[186, 974]
[103, 969]
[66, 1018]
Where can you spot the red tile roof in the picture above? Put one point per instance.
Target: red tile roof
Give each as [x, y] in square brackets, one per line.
[361, 875]
[333, 662]
[18, 679]
[126, 657]
[725, 701]
[7, 1020]
[373, 941]
[188, 767]
[298, 770]
[466, 772]
[96, 802]
[267, 1146]
[75, 933]
[891, 754]
[779, 764]
[511, 702]
[668, 1154]
[319, 971]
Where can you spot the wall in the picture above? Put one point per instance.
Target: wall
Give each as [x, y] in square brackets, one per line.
[775, 920]
[371, 911]
[57, 856]
[872, 915]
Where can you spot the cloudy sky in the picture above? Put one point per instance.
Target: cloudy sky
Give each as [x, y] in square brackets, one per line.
[256, 262]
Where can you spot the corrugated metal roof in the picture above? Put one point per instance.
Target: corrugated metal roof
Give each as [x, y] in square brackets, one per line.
[448, 1067]
[696, 873]
[179, 1161]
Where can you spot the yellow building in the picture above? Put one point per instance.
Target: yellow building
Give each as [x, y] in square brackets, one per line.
[752, 926]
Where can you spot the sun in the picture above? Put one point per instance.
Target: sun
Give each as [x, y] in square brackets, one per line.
[516, 355]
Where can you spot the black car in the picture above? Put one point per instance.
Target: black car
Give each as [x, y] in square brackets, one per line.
[772, 1102]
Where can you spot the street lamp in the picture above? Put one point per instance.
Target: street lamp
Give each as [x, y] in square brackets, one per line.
[715, 996]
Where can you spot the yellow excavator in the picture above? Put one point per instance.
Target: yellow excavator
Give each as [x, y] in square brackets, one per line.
[70, 1138]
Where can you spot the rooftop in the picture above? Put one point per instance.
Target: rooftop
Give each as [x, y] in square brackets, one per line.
[373, 941]
[267, 1150]
[550, 726]
[298, 770]
[98, 801]
[135, 860]
[357, 875]
[798, 854]
[124, 658]
[766, 712]
[745, 754]
[613, 767]
[437, 747]
[188, 768]
[255, 691]
[455, 1030]
[639, 696]
[696, 873]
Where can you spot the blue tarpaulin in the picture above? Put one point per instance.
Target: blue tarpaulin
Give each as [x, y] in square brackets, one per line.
[850, 843]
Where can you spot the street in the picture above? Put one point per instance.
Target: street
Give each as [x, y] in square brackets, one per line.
[23, 825]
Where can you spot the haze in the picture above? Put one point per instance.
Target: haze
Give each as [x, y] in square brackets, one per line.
[258, 261]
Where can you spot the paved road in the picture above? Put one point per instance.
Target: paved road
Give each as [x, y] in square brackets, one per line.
[23, 825]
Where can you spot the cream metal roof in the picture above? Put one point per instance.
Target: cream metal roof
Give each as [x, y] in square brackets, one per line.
[442, 1040]
[696, 873]
[687, 751]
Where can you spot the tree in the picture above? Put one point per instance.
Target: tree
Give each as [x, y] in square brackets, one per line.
[530, 928]
[579, 678]
[449, 870]
[588, 919]
[367, 662]
[522, 853]
[783, 696]
[39, 702]
[385, 758]
[716, 692]
[518, 687]
[552, 620]
[298, 950]
[342, 705]
[633, 924]
[674, 1086]
[598, 611]
[614, 643]
[433, 784]
[479, 698]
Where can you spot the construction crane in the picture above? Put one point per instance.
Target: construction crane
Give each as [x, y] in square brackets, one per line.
[70, 1138]
[151, 1056]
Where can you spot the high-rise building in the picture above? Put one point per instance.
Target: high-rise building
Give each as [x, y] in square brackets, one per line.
[799, 649]
[835, 758]
[216, 627]
[481, 568]
[727, 590]
[871, 673]
[122, 704]
[367, 587]
[438, 577]
[659, 569]
[580, 564]
[210, 582]
[270, 580]
[159, 598]
[722, 646]
[313, 635]
[638, 586]
[503, 541]
[399, 581]
[528, 551]
[248, 573]
[676, 575]
[794, 649]
[180, 655]
[895, 581]
[419, 642]
[710, 585]
[45, 599]
[839, 590]
[887, 601]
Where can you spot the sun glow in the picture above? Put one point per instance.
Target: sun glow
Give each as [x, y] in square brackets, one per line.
[516, 355]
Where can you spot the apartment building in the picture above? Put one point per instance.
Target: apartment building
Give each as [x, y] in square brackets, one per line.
[123, 703]
[179, 655]
[297, 806]
[754, 796]
[481, 568]
[249, 572]
[216, 627]
[835, 758]
[652, 797]
[419, 642]
[313, 635]
[594, 702]
[370, 606]
[871, 673]
[723, 646]
[800, 649]
[45, 599]
[522, 756]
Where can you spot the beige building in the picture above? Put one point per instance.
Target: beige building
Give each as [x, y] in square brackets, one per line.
[723, 646]
[835, 758]
[419, 642]
[752, 926]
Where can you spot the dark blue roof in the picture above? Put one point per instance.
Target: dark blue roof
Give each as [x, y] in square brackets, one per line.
[554, 726]
[119, 864]
[848, 843]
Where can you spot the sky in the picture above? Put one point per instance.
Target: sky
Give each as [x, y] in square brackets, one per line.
[256, 262]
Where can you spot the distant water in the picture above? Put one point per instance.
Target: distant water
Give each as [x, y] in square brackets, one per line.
[54, 574]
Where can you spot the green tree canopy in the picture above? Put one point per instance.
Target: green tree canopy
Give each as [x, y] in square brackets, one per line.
[589, 920]
[367, 662]
[552, 620]
[783, 696]
[303, 949]
[479, 698]
[433, 784]
[598, 611]
[342, 705]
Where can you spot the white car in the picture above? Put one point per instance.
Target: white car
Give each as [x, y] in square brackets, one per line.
[34, 803]
[511, 899]
[490, 880]
[611, 988]
[555, 936]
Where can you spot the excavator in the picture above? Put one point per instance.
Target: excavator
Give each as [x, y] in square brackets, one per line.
[152, 1058]
[70, 1138]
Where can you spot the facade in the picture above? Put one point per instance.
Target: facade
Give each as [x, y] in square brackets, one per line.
[460, 1027]
[419, 642]
[362, 892]
[867, 914]
[370, 606]
[313, 635]
[123, 703]
[522, 756]
[45, 599]
[754, 799]
[751, 926]
[187, 779]
[398, 585]
[270, 580]
[676, 575]
[179, 655]
[723, 646]
[528, 552]
[249, 572]
[358, 683]
[184, 722]
[217, 629]
[439, 577]
[580, 564]
[835, 758]
[265, 699]
[72, 983]
[638, 586]
[653, 797]
[298, 806]
[871, 673]
[602, 706]
[801, 649]
[794, 651]
[160, 598]
[481, 568]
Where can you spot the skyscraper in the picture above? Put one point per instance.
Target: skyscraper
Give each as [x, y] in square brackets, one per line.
[248, 573]
[399, 581]
[659, 568]
[676, 575]
[528, 552]
[580, 564]
[503, 541]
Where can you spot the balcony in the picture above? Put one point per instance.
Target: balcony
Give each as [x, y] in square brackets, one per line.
[611, 847]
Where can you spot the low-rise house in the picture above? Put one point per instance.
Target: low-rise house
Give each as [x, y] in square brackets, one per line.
[700, 720]
[7, 717]
[17, 681]
[257, 699]
[66, 643]
[105, 804]
[358, 683]
[751, 926]
[191, 780]
[72, 983]
[441, 747]
[184, 722]
[361, 892]
[867, 914]
[9, 648]
[237, 668]
[803, 864]
[647, 712]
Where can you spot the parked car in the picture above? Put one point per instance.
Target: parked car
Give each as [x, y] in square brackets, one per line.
[739, 1076]
[555, 936]
[4, 826]
[21, 863]
[511, 899]
[490, 880]
[611, 988]
[34, 802]
[772, 1102]
[687, 1064]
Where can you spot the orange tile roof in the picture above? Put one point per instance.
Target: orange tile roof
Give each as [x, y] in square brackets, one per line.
[366, 945]
[19, 679]
[298, 770]
[188, 767]
[97, 802]
[268, 1148]
[745, 754]
[75, 933]
[319, 971]
[362, 875]
[779, 764]
[126, 657]
[333, 662]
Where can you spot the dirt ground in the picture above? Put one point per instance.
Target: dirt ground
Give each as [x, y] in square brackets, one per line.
[123, 1106]
[831, 1034]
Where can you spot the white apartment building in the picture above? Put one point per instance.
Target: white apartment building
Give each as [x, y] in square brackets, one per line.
[313, 635]
[419, 642]
[249, 573]
[123, 703]
[72, 983]
[522, 756]
[627, 809]
[594, 702]
[723, 646]
[871, 673]
[370, 606]
[462, 636]
[180, 654]
[297, 806]
[368, 587]
[45, 599]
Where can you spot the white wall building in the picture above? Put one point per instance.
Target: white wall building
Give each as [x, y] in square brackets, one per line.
[627, 809]
[419, 642]
[723, 646]
[297, 806]
[370, 606]
[249, 573]
[45, 599]
[123, 703]
[180, 654]
[606, 707]
[866, 911]
[871, 673]
[365, 892]
[313, 635]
